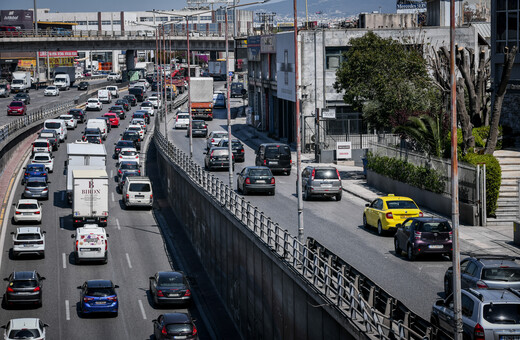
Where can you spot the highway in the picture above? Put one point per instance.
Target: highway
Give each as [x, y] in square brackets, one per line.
[337, 225]
[137, 250]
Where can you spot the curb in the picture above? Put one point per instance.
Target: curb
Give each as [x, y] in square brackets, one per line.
[356, 194]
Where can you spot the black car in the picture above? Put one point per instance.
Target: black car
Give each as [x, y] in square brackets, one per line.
[236, 147]
[94, 139]
[23, 288]
[22, 97]
[92, 131]
[123, 144]
[126, 167]
[119, 110]
[124, 103]
[237, 90]
[217, 158]
[275, 156]
[142, 114]
[131, 99]
[256, 179]
[132, 136]
[83, 86]
[138, 93]
[198, 128]
[169, 288]
[122, 180]
[174, 326]
[79, 114]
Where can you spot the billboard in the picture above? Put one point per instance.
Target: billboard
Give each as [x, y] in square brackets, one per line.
[285, 66]
[253, 48]
[19, 18]
[411, 5]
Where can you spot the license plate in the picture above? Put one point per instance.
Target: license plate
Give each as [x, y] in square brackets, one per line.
[28, 245]
[326, 185]
[273, 162]
[435, 246]
[100, 302]
[85, 249]
[27, 214]
[180, 337]
[174, 295]
[510, 337]
[139, 196]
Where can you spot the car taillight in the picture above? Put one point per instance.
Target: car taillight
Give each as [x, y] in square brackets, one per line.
[37, 289]
[241, 151]
[9, 289]
[87, 299]
[151, 197]
[39, 242]
[18, 212]
[188, 293]
[265, 162]
[127, 196]
[478, 332]
[112, 298]
[421, 214]
[248, 181]
[482, 284]
[417, 235]
[76, 245]
[212, 140]
[106, 245]
[164, 331]
[389, 215]
[160, 293]
[120, 172]
[139, 171]
[272, 180]
[194, 330]
[337, 172]
[451, 235]
[26, 174]
[45, 189]
[312, 178]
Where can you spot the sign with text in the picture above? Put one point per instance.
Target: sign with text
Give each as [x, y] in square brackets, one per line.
[58, 54]
[343, 150]
[285, 67]
[329, 113]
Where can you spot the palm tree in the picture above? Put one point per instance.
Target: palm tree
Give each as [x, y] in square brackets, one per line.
[426, 131]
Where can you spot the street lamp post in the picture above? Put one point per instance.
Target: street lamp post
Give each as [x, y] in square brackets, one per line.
[228, 106]
[298, 132]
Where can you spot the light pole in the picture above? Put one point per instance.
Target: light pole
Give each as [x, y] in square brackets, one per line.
[298, 132]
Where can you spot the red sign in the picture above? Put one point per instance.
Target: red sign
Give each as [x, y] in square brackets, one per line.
[58, 54]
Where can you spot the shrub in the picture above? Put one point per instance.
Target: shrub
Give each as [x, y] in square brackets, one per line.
[399, 170]
[493, 178]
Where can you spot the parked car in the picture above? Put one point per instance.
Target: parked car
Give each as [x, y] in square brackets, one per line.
[236, 147]
[275, 156]
[256, 179]
[170, 287]
[25, 328]
[174, 326]
[131, 99]
[123, 103]
[78, 114]
[485, 271]
[112, 118]
[34, 170]
[486, 314]
[44, 158]
[199, 128]
[27, 211]
[386, 212]
[423, 235]
[69, 120]
[83, 86]
[24, 287]
[98, 296]
[51, 91]
[121, 144]
[16, 108]
[28, 241]
[119, 110]
[36, 187]
[323, 181]
[217, 158]
[94, 104]
[214, 138]
[23, 97]
[182, 120]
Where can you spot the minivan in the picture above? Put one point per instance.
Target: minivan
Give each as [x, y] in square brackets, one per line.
[275, 156]
[101, 124]
[137, 192]
[57, 125]
[91, 244]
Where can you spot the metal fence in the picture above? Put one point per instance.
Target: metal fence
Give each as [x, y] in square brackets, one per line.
[355, 297]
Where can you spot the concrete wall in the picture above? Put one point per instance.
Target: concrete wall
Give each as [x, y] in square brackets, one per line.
[264, 297]
[384, 20]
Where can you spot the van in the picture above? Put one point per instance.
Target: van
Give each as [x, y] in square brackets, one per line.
[104, 96]
[114, 91]
[137, 192]
[275, 156]
[91, 244]
[57, 125]
[101, 124]
[138, 92]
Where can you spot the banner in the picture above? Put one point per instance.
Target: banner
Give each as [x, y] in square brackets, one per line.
[58, 54]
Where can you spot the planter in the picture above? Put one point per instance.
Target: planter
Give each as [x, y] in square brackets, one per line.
[438, 203]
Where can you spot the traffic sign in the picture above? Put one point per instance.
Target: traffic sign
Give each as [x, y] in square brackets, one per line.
[230, 73]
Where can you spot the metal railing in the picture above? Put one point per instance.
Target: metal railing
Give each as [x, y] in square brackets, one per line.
[373, 311]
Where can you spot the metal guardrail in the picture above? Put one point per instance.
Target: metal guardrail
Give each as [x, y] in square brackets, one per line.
[353, 295]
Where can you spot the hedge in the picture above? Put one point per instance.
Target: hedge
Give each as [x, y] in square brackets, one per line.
[417, 176]
[493, 178]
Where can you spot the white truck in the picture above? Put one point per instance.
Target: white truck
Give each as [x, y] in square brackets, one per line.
[83, 156]
[62, 81]
[104, 96]
[218, 70]
[90, 197]
[21, 82]
[147, 66]
[202, 98]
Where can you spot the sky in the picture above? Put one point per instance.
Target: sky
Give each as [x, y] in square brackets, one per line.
[281, 7]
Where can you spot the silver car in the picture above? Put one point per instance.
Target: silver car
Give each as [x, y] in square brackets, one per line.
[28, 241]
[322, 181]
[36, 187]
[214, 138]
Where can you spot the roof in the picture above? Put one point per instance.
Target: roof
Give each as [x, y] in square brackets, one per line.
[28, 230]
[177, 318]
[86, 149]
[483, 30]
[498, 295]
[25, 323]
[396, 198]
[170, 274]
[26, 275]
[89, 173]
[99, 283]
[57, 23]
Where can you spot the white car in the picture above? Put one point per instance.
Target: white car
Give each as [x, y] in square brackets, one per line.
[143, 82]
[128, 154]
[114, 76]
[182, 120]
[137, 128]
[41, 145]
[51, 91]
[44, 158]
[139, 121]
[214, 138]
[70, 121]
[155, 101]
[27, 210]
[114, 91]
[147, 106]
[94, 104]
[28, 241]
[26, 328]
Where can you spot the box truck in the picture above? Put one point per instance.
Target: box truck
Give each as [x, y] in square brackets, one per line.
[21, 82]
[201, 98]
[90, 197]
[83, 156]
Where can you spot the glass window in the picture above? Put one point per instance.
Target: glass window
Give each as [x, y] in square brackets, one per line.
[502, 313]
[325, 174]
[170, 281]
[434, 227]
[401, 205]
[467, 306]
[24, 334]
[23, 284]
[334, 56]
[100, 292]
[139, 187]
[93, 22]
[27, 237]
[179, 328]
[512, 26]
[501, 274]
[501, 26]
[501, 5]
[511, 4]
[471, 269]
[106, 22]
[260, 172]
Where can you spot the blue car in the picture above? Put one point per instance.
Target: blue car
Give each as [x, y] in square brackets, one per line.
[34, 170]
[98, 296]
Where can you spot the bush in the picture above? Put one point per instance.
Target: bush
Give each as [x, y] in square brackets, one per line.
[399, 170]
[482, 133]
[493, 178]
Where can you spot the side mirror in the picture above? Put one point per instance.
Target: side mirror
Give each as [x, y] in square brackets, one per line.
[12, 233]
[6, 279]
[44, 232]
[42, 278]
[152, 278]
[78, 287]
[24, 168]
[367, 205]
[5, 327]
[154, 320]
[72, 236]
[204, 152]
[108, 235]
[45, 325]
[116, 286]
[398, 225]
[439, 302]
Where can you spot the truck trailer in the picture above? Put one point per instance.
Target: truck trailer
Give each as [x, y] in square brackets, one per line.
[90, 197]
[201, 92]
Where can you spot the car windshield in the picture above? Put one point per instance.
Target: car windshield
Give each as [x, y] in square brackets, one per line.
[260, 172]
[401, 205]
[273, 151]
[139, 187]
[128, 153]
[503, 273]
[26, 333]
[129, 166]
[177, 328]
[219, 152]
[28, 237]
[502, 313]
[51, 88]
[52, 125]
[17, 81]
[16, 104]
[23, 206]
[23, 284]
[325, 174]
[434, 227]
[100, 292]
[36, 184]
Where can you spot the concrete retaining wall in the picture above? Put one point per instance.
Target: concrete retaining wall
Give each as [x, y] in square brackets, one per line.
[265, 298]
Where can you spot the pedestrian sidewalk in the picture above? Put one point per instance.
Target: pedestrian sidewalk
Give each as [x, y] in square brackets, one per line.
[475, 239]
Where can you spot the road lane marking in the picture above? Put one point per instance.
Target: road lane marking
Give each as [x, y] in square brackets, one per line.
[111, 173]
[142, 309]
[64, 257]
[117, 224]
[67, 310]
[128, 260]
[113, 198]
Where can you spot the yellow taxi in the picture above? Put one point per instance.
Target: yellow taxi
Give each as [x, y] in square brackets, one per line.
[385, 212]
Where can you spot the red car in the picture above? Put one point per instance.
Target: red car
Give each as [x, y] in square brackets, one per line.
[112, 118]
[16, 108]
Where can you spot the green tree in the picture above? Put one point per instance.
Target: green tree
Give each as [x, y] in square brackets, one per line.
[427, 132]
[382, 76]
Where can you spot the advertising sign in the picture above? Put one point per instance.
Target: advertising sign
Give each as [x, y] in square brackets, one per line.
[329, 113]
[18, 18]
[58, 54]
[343, 150]
[268, 44]
[285, 66]
[253, 48]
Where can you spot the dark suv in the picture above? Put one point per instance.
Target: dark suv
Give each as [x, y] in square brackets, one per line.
[198, 128]
[24, 288]
[79, 114]
[275, 156]
[138, 93]
[133, 136]
[485, 271]
[321, 181]
[423, 235]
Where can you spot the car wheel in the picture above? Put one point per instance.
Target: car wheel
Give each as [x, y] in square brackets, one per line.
[380, 230]
[244, 190]
[450, 256]
[447, 288]
[409, 253]
[365, 223]
[289, 173]
[305, 195]
[43, 255]
[338, 197]
[273, 192]
[398, 249]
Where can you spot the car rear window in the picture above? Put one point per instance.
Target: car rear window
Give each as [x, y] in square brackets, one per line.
[34, 168]
[22, 206]
[41, 144]
[41, 158]
[273, 151]
[219, 152]
[183, 116]
[176, 328]
[26, 333]
[501, 274]
[23, 283]
[93, 101]
[171, 281]
[36, 184]
[434, 227]
[27, 237]
[325, 174]
[199, 125]
[139, 187]
[499, 313]
[129, 166]
[125, 143]
[401, 205]
[52, 125]
[260, 172]
[100, 292]
[15, 104]
[128, 153]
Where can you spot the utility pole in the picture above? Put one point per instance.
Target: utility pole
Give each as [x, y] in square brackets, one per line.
[37, 72]
[228, 103]
[298, 129]
[189, 83]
